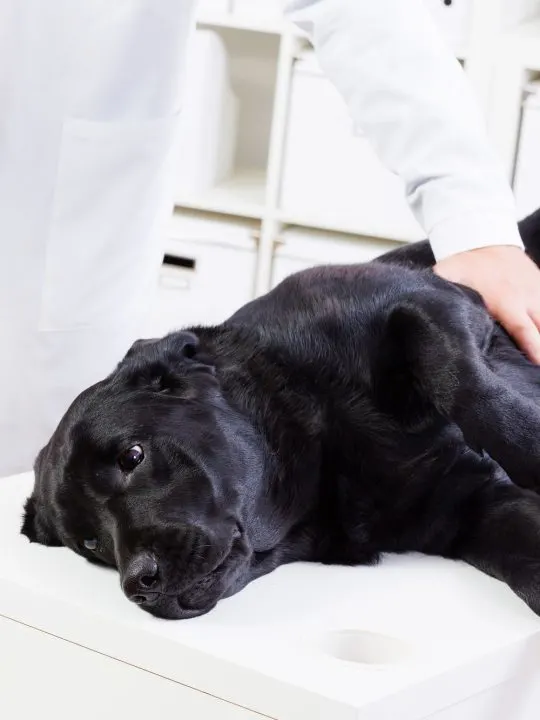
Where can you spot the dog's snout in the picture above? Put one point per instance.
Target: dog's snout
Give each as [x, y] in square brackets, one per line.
[141, 580]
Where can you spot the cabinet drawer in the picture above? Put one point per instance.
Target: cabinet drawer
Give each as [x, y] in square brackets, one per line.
[201, 283]
[301, 249]
[44, 676]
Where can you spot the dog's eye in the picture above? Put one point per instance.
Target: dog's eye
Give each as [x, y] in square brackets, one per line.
[132, 457]
[90, 544]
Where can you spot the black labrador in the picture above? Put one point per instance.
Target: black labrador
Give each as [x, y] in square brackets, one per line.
[352, 411]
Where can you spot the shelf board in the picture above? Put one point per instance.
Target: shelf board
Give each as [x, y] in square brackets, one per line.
[271, 26]
[332, 224]
[235, 21]
[242, 195]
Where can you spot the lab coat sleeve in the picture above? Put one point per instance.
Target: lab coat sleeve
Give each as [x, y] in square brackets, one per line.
[410, 97]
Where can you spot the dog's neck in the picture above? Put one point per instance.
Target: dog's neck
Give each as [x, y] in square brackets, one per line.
[282, 480]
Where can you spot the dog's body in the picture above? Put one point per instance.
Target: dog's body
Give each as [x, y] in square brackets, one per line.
[351, 411]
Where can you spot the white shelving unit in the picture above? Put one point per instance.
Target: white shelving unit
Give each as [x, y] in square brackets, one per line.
[498, 42]
[518, 64]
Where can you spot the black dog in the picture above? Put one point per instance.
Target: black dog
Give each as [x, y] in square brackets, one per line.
[349, 412]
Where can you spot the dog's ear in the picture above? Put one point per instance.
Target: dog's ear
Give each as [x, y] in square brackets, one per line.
[168, 364]
[184, 347]
[35, 526]
[412, 364]
[139, 345]
[177, 347]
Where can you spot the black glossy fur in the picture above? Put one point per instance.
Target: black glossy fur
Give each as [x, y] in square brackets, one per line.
[351, 411]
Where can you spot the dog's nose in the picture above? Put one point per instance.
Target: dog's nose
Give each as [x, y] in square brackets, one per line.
[141, 579]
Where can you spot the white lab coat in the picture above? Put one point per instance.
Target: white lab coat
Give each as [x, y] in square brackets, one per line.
[90, 96]
[90, 92]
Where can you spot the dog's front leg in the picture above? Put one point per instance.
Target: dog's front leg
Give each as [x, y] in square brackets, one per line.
[476, 514]
[504, 540]
[442, 364]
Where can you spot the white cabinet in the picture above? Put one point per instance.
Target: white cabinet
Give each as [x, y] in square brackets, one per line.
[208, 272]
[286, 114]
[527, 175]
[331, 171]
[226, 128]
[268, 139]
[301, 249]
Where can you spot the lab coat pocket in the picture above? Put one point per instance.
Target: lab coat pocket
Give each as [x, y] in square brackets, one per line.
[111, 195]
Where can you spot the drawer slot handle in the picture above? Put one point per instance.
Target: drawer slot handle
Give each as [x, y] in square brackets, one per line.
[181, 262]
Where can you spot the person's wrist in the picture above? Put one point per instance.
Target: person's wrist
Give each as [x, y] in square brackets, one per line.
[492, 251]
[474, 231]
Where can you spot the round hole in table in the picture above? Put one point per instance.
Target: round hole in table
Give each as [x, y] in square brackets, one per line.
[365, 648]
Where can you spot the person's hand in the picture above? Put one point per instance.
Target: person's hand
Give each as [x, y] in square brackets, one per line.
[509, 283]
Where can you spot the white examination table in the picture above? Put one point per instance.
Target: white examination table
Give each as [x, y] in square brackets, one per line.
[421, 638]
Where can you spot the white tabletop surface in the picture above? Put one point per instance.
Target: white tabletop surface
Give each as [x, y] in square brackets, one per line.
[265, 648]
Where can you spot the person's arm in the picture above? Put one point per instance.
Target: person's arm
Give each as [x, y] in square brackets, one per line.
[411, 98]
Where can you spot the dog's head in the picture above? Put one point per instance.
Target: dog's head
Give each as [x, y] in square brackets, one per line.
[148, 472]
